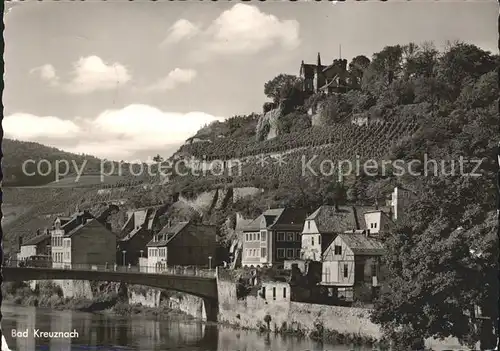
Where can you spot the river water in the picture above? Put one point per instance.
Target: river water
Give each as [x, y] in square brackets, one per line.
[105, 332]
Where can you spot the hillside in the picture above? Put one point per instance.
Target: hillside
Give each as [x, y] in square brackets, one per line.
[404, 107]
[16, 153]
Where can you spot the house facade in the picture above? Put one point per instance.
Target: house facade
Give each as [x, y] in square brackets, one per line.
[82, 241]
[136, 233]
[401, 199]
[350, 263]
[37, 246]
[324, 224]
[273, 237]
[183, 244]
[378, 221]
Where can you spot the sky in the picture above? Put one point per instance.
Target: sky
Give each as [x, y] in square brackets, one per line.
[128, 80]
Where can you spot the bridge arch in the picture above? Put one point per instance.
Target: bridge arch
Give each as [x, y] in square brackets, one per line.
[203, 287]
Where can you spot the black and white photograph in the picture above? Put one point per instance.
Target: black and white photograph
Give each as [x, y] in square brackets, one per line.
[259, 175]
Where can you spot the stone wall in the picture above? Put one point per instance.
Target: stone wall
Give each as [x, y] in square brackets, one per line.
[75, 288]
[251, 311]
[191, 305]
[146, 297]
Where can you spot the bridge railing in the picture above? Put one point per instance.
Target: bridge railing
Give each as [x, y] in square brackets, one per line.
[191, 271]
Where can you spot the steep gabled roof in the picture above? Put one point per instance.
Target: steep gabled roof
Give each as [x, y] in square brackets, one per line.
[167, 234]
[290, 219]
[70, 223]
[270, 217]
[37, 240]
[330, 219]
[79, 227]
[361, 244]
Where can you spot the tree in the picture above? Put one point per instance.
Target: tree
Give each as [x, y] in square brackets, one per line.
[388, 63]
[281, 86]
[462, 61]
[158, 158]
[357, 67]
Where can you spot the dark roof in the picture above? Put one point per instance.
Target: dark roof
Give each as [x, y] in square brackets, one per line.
[329, 219]
[279, 219]
[290, 219]
[146, 224]
[361, 244]
[131, 234]
[80, 226]
[167, 234]
[37, 240]
[269, 215]
[74, 221]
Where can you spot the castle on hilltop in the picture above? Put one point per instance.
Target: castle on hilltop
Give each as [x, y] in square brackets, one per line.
[318, 78]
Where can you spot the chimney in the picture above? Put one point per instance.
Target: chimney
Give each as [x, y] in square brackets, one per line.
[376, 204]
[37, 232]
[20, 242]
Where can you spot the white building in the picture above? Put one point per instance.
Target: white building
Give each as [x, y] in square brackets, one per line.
[39, 245]
[401, 199]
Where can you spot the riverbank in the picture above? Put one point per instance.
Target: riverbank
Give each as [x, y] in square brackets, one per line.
[50, 295]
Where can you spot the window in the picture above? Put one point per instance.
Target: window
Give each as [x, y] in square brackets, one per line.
[308, 224]
[258, 236]
[262, 236]
[338, 250]
[289, 236]
[297, 253]
[346, 270]
[264, 292]
[374, 269]
[374, 225]
[312, 240]
[289, 253]
[319, 239]
[274, 293]
[281, 236]
[247, 237]
[284, 293]
[263, 252]
[281, 253]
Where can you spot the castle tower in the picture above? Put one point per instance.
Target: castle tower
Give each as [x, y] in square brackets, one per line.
[319, 79]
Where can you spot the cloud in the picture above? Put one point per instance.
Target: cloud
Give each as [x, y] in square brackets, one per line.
[25, 126]
[114, 134]
[244, 29]
[180, 30]
[93, 74]
[47, 73]
[241, 30]
[173, 79]
[89, 74]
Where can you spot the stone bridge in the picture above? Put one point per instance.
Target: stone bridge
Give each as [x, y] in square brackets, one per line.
[204, 287]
